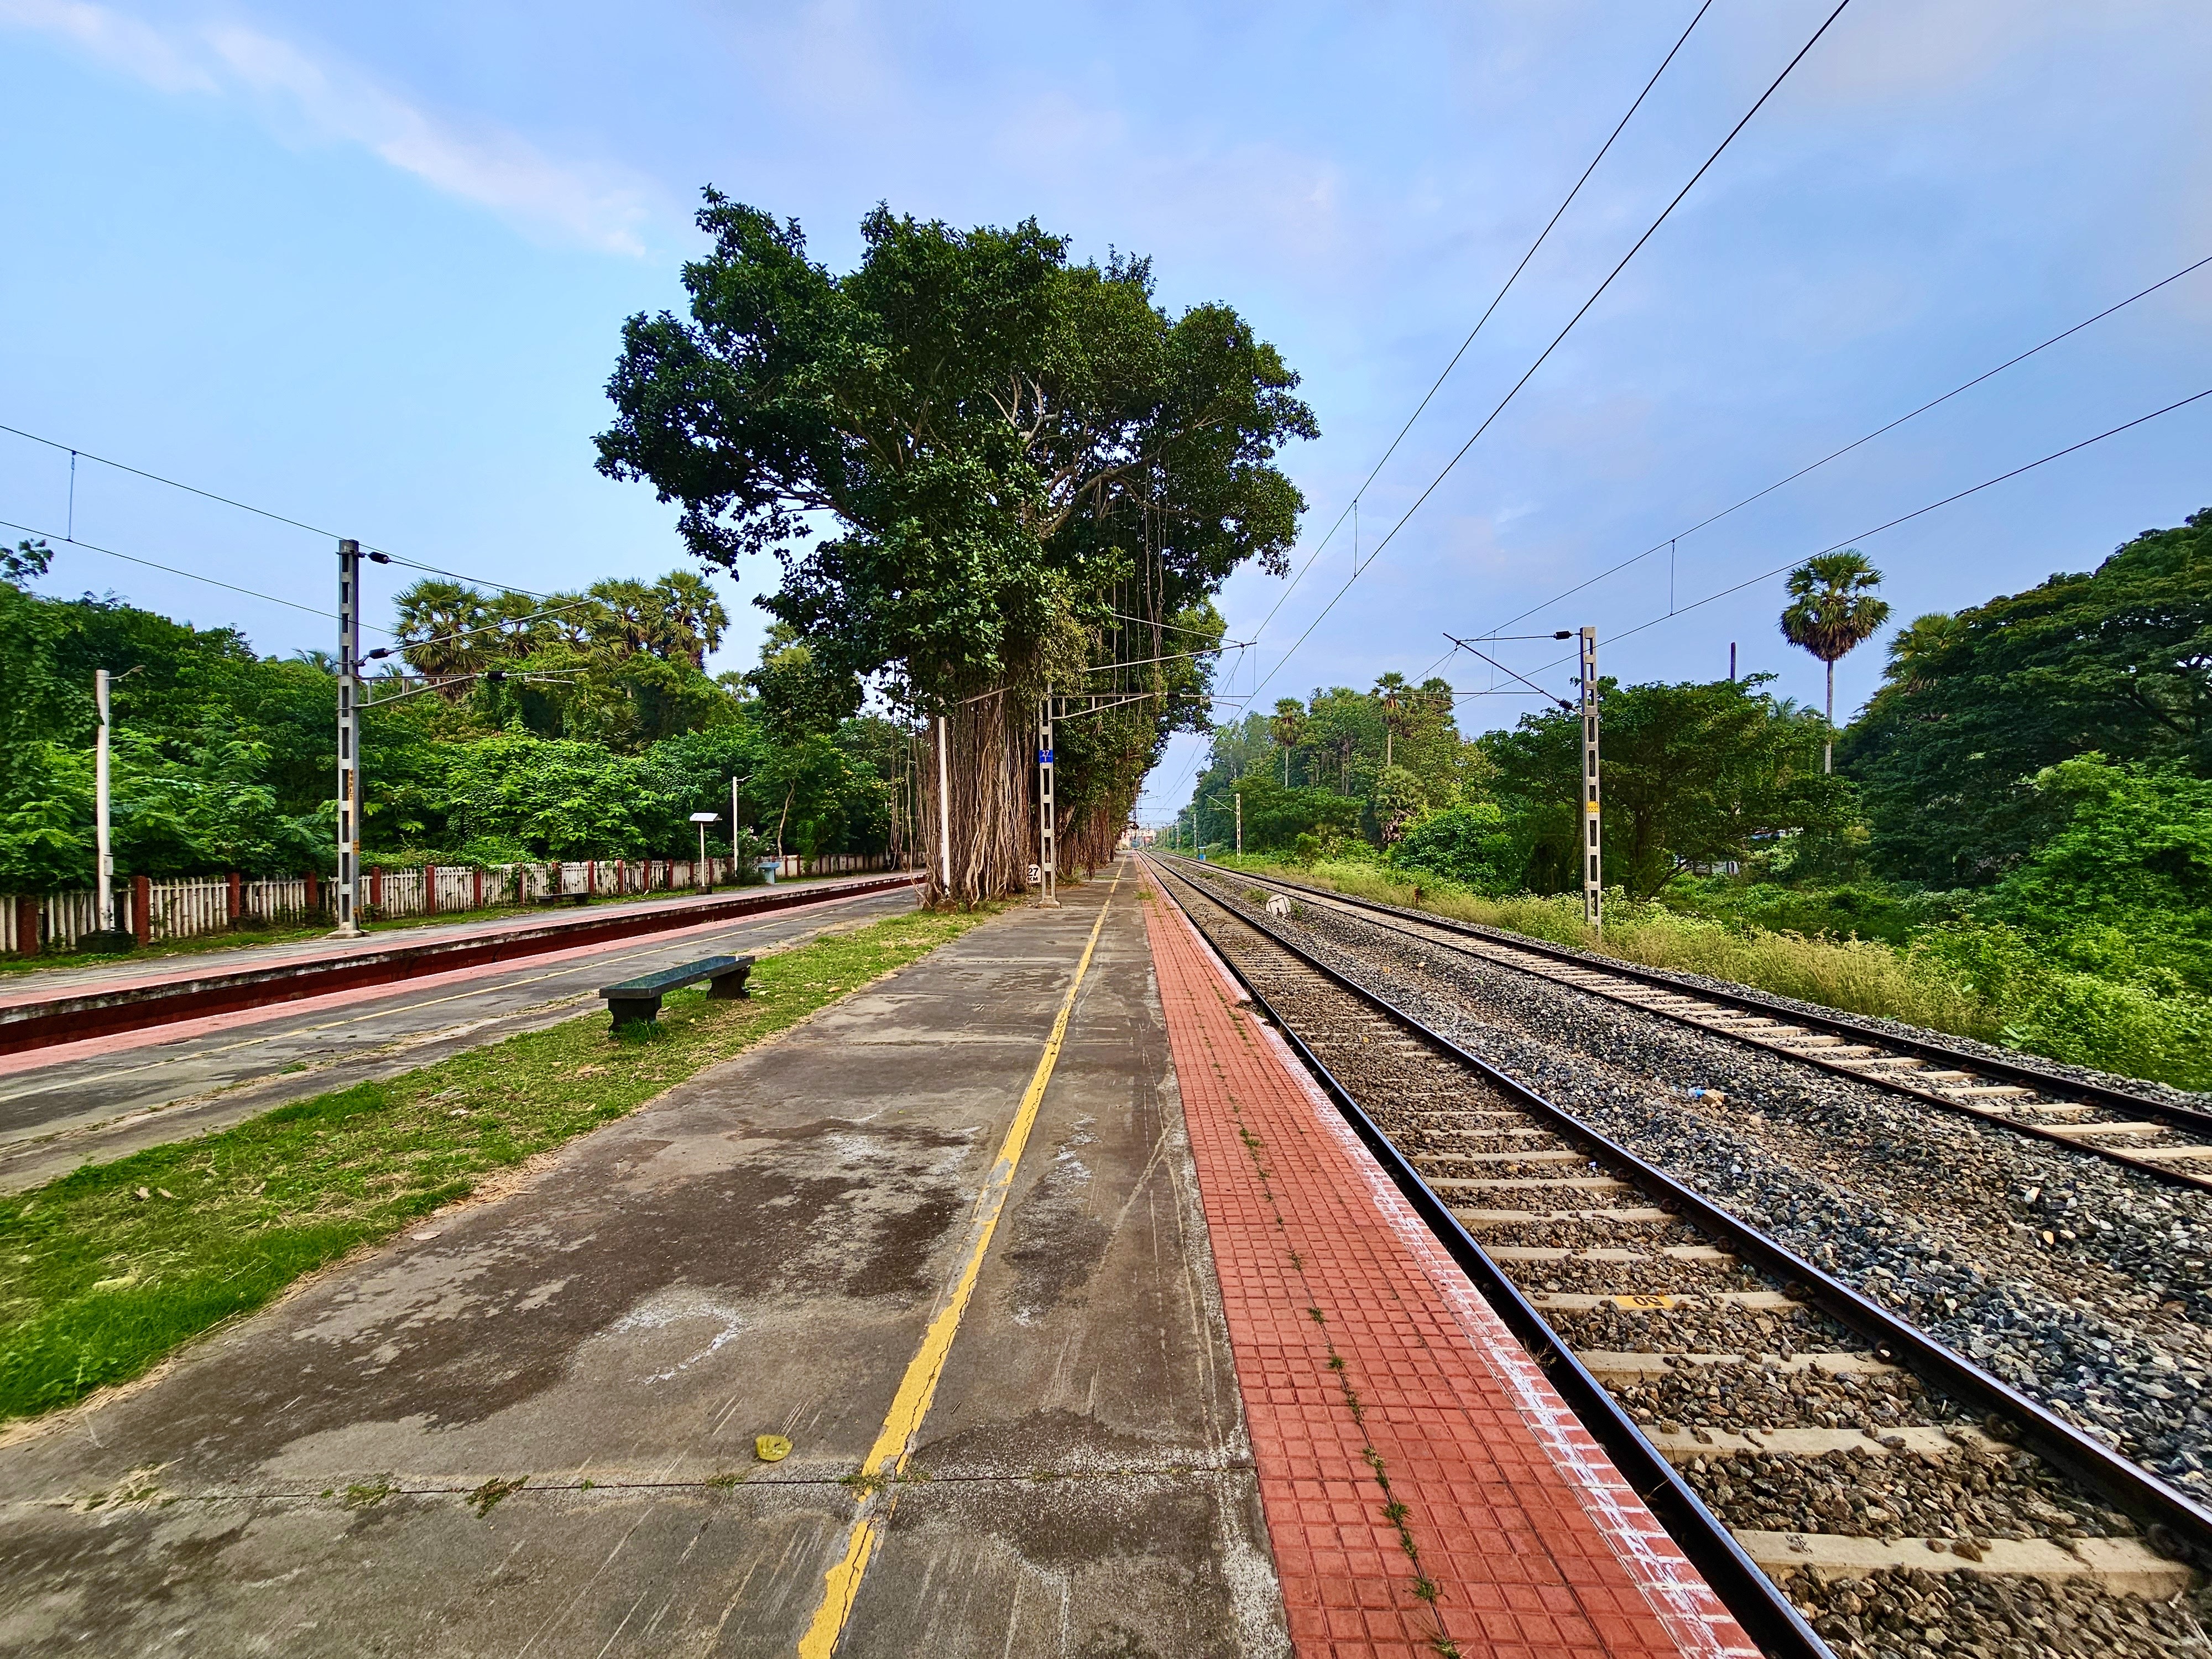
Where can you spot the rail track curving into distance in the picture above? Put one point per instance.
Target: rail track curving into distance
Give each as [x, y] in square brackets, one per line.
[1840, 1476]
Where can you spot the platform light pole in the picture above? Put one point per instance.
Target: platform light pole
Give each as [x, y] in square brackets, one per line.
[1593, 889]
[944, 811]
[1047, 847]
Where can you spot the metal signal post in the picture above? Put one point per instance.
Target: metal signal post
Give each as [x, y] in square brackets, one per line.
[1593, 888]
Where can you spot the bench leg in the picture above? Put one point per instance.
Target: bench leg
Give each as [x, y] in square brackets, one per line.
[731, 984]
[633, 1011]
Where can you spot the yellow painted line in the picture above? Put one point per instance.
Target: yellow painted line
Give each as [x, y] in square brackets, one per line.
[887, 1458]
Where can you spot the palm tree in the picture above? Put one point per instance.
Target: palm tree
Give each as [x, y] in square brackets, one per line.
[1391, 692]
[1833, 610]
[441, 632]
[1289, 724]
[1913, 652]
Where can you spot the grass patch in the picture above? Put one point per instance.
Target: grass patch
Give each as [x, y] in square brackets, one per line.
[107, 1269]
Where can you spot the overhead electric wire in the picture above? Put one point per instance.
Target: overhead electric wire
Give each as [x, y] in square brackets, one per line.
[1566, 201]
[1582, 312]
[1903, 518]
[175, 570]
[248, 507]
[1966, 385]
[155, 477]
[1496, 301]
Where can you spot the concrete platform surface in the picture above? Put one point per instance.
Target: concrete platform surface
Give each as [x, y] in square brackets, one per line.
[528, 1428]
[1426, 1491]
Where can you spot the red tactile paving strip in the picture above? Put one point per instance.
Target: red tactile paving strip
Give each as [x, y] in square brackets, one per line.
[1529, 1540]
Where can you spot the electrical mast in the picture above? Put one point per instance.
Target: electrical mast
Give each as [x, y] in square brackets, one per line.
[1593, 888]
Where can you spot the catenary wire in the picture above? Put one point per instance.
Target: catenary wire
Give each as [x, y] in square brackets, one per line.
[175, 570]
[1580, 313]
[247, 507]
[155, 477]
[1966, 385]
[1903, 518]
[1496, 301]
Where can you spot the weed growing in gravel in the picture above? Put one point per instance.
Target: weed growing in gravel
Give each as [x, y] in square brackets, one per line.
[107, 1269]
[1860, 976]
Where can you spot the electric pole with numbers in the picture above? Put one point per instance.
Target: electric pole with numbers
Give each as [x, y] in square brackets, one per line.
[1046, 895]
[349, 739]
[1593, 888]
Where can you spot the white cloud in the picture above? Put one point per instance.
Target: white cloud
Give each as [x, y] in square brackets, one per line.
[330, 101]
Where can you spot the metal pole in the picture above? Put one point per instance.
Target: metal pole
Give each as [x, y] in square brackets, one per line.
[944, 808]
[1240, 823]
[733, 829]
[1046, 895]
[349, 740]
[100, 808]
[1593, 889]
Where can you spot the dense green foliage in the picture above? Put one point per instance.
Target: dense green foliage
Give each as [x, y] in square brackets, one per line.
[2021, 818]
[1034, 472]
[1694, 775]
[1975, 706]
[224, 759]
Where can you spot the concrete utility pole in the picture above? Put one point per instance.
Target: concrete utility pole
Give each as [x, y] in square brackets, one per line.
[1236, 799]
[349, 739]
[1045, 839]
[1593, 889]
[102, 813]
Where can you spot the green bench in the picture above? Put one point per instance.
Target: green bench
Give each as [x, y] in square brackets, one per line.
[636, 1001]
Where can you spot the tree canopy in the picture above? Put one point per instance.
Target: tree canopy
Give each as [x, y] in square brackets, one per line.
[1028, 470]
[1973, 707]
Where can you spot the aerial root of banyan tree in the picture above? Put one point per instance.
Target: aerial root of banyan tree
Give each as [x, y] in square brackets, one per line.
[991, 766]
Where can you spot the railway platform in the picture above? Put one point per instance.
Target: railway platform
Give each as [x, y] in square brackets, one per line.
[1026, 1303]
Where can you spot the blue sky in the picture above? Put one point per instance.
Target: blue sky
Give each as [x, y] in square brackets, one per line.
[367, 269]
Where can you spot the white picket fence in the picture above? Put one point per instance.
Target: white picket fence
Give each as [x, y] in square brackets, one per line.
[190, 907]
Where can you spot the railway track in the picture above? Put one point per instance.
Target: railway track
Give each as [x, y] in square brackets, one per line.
[2168, 1142]
[1846, 1483]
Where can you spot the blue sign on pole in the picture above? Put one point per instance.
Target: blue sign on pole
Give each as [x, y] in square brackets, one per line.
[1044, 758]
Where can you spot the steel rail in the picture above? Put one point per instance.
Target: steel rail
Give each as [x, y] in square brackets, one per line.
[2063, 1089]
[2119, 1480]
[1768, 1617]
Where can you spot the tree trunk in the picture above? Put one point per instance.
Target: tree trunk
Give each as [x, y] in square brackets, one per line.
[1828, 749]
[987, 765]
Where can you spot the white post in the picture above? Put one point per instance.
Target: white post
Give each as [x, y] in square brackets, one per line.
[733, 829]
[349, 739]
[1593, 890]
[944, 808]
[101, 808]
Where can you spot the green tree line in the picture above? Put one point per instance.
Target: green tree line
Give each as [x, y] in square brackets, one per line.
[2024, 805]
[591, 731]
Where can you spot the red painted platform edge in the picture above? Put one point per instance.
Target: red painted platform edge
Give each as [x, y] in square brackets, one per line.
[102, 1013]
[1693, 1617]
